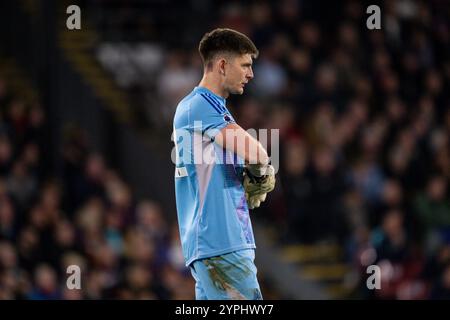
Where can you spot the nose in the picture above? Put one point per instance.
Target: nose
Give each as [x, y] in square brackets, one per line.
[250, 75]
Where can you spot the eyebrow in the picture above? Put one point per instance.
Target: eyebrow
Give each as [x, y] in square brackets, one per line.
[246, 64]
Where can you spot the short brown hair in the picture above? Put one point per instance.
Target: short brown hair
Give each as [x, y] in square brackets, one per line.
[227, 41]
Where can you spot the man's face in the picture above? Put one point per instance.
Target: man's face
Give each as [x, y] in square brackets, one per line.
[238, 72]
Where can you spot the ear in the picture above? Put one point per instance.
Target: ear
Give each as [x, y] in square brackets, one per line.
[221, 65]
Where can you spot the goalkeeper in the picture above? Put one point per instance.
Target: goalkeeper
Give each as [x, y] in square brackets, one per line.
[213, 197]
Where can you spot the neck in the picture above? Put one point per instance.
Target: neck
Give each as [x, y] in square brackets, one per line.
[213, 84]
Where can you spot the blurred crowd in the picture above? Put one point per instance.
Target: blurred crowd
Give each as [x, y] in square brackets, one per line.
[88, 217]
[364, 119]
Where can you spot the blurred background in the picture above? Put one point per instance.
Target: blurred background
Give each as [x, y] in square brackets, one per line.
[85, 142]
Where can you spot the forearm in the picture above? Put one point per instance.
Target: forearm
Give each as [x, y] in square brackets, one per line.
[237, 140]
[254, 152]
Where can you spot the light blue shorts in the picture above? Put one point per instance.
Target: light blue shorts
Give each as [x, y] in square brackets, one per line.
[230, 276]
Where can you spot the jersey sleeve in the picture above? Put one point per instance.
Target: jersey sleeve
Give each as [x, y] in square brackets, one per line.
[209, 117]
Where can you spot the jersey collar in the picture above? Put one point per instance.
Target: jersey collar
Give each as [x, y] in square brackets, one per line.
[204, 90]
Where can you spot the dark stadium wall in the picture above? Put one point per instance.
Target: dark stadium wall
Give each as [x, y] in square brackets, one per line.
[68, 100]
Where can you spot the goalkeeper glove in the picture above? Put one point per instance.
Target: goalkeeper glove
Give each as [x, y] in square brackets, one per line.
[256, 200]
[259, 170]
[258, 181]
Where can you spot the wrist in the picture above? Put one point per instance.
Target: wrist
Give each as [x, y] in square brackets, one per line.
[257, 170]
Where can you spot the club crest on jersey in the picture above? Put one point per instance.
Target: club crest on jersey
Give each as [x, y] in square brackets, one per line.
[227, 118]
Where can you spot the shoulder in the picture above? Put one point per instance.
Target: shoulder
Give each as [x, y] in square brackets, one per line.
[192, 106]
[191, 101]
[198, 102]
[200, 107]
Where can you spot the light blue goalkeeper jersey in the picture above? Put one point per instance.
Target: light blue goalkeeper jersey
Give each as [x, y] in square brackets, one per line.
[213, 215]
